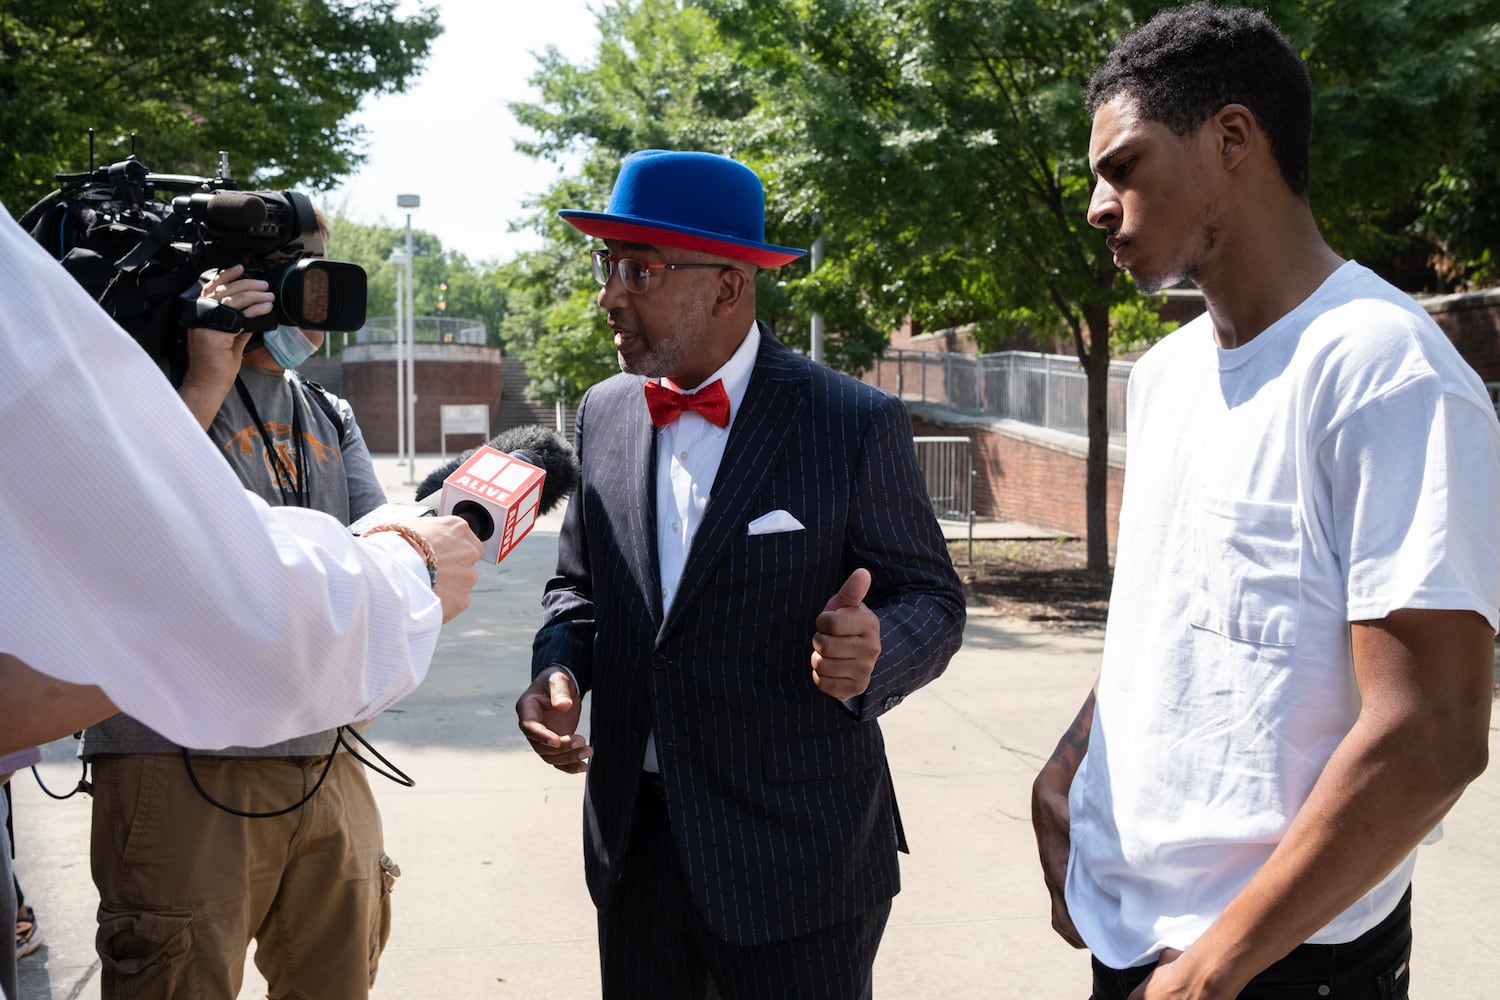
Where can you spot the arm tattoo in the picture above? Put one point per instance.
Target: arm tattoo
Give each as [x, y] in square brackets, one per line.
[1075, 742]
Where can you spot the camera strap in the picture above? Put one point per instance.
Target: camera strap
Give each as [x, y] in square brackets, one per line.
[285, 475]
[160, 235]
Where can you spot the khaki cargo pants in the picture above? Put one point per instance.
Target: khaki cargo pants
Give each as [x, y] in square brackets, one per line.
[184, 886]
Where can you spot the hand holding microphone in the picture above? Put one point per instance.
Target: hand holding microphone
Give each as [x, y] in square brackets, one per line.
[500, 487]
[488, 513]
[456, 552]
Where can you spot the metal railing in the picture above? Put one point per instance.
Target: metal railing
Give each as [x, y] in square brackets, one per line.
[1047, 390]
[425, 330]
[947, 464]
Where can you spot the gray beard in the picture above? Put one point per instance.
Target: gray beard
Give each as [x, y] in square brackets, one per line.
[667, 354]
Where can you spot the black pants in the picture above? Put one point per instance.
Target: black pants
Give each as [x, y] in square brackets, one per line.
[7, 904]
[1374, 966]
[653, 943]
[10, 831]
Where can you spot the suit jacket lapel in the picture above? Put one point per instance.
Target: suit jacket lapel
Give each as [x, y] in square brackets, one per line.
[774, 400]
[636, 481]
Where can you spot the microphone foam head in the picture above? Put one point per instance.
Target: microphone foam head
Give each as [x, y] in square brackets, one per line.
[531, 443]
[235, 210]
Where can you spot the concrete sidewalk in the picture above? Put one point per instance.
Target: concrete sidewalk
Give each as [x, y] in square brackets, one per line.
[491, 901]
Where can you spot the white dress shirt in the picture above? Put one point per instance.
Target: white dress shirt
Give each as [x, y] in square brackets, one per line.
[688, 453]
[131, 557]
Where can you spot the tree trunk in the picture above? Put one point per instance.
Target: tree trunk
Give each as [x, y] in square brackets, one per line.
[1096, 481]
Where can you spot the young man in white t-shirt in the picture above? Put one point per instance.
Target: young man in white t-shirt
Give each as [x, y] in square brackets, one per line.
[1296, 681]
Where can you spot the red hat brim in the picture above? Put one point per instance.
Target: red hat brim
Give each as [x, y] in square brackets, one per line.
[601, 225]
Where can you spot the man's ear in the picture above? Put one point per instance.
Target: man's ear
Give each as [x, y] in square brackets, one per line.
[733, 287]
[1237, 133]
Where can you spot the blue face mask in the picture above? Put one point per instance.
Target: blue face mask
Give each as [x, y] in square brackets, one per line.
[289, 346]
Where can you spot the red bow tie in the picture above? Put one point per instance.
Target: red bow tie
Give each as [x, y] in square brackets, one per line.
[666, 405]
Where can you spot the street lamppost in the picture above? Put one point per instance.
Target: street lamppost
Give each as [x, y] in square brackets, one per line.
[402, 261]
[409, 202]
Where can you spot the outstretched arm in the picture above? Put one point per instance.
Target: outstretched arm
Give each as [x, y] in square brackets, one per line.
[150, 572]
[37, 708]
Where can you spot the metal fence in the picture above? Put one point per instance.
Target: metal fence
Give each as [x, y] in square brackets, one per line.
[425, 330]
[1048, 390]
[947, 464]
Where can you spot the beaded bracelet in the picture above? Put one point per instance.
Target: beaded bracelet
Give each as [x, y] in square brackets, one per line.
[422, 545]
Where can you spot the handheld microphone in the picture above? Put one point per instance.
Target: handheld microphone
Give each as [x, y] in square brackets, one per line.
[500, 487]
[531, 443]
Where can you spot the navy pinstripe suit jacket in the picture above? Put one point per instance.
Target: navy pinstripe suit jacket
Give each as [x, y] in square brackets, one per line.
[780, 797]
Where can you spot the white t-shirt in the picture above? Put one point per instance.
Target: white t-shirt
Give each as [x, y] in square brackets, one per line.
[132, 558]
[1342, 465]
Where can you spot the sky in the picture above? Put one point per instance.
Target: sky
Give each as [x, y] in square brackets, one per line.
[450, 138]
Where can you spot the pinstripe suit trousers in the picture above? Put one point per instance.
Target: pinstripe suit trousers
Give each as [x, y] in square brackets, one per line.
[653, 942]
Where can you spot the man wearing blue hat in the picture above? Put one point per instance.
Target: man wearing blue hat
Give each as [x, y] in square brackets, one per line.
[749, 575]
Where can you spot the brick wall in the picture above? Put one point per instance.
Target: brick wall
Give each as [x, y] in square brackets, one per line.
[444, 374]
[1027, 474]
[1472, 322]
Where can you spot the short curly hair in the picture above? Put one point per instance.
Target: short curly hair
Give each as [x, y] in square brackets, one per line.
[1185, 64]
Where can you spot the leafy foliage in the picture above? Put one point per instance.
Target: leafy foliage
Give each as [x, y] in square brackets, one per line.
[475, 291]
[1406, 162]
[942, 143]
[936, 148]
[663, 77]
[1135, 324]
[273, 82]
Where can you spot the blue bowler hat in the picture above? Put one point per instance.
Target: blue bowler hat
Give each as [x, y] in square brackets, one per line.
[691, 201]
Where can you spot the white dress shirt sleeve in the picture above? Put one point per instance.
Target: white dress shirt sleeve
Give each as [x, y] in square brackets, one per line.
[133, 559]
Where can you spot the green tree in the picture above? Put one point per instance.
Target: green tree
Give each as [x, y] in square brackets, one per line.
[662, 78]
[1135, 325]
[944, 145]
[272, 82]
[939, 147]
[1406, 142]
[944, 142]
[476, 292]
[656, 81]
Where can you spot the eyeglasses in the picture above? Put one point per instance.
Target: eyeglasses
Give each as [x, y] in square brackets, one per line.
[635, 275]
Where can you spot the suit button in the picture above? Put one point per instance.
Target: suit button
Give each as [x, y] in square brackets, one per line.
[892, 701]
[658, 661]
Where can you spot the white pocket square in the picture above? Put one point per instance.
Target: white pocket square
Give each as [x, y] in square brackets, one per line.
[775, 522]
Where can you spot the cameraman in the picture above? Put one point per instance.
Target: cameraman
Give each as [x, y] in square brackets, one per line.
[196, 854]
[107, 593]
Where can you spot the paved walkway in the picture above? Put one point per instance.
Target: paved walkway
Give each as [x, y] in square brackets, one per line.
[491, 901]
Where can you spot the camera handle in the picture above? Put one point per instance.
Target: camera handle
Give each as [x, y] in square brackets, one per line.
[195, 312]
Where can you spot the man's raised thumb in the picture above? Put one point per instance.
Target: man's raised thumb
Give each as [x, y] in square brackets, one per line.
[852, 593]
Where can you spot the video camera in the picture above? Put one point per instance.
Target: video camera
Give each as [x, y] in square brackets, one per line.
[143, 258]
